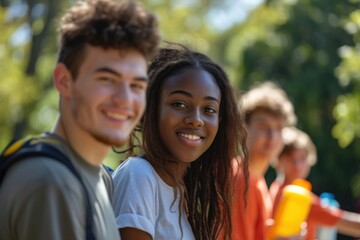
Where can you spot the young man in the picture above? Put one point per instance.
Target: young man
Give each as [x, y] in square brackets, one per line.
[267, 110]
[101, 76]
[295, 161]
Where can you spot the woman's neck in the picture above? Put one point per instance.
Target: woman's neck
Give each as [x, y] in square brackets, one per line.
[172, 173]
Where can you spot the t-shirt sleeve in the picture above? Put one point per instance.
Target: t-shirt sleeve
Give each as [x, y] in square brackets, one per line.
[323, 216]
[106, 176]
[42, 200]
[135, 187]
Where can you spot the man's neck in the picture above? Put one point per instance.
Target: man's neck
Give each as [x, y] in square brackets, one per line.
[288, 181]
[91, 150]
[258, 168]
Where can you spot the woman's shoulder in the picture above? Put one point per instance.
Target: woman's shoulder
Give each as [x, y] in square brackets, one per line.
[135, 163]
[135, 166]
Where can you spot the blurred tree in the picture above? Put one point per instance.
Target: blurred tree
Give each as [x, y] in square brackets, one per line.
[39, 17]
[13, 95]
[296, 45]
[28, 49]
[27, 39]
[260, 26]
[347, 109]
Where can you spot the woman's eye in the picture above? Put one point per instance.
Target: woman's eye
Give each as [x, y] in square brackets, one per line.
[210, 110]
[179, 105]
[106, 79]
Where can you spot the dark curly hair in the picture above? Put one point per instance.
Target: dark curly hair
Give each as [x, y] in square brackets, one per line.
[206, 187]
[107, 24]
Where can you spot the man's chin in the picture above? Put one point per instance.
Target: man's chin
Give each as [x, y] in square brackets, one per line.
[116, 141]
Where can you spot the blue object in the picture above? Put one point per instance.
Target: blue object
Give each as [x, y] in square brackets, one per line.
[328, 201]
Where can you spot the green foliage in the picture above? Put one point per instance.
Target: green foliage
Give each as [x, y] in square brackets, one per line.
[245, 36]
[184, 23]
[17, 90]
[347, 109]
[297, 47]
[310, 48]
[347, 114]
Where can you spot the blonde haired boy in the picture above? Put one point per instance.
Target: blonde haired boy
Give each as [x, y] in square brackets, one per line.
[267, 110]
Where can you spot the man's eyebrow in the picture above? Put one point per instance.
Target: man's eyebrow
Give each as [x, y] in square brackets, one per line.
[190, 95]
[108, 70]
[142, 78]
[118, 74]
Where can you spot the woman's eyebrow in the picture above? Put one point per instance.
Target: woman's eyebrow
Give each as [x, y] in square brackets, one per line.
[190, 95]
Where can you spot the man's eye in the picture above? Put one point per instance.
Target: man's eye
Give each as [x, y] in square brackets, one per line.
[138, 86]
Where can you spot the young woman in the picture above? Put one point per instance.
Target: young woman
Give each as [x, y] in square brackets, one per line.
[180, 188]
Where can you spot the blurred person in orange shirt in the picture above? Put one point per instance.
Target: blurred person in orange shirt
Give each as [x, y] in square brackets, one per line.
[267, 111]
[295, 161]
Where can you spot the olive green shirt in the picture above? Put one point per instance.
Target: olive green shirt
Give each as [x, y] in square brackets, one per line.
[41, 199]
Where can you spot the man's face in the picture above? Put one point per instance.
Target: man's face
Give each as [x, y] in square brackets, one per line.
[107, 98]
[264, 136]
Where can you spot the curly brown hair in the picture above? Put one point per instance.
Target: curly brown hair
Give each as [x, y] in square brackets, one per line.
[108, 24]
[206, 187]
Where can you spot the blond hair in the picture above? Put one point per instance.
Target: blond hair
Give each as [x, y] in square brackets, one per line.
[269, 97]
[294, 138]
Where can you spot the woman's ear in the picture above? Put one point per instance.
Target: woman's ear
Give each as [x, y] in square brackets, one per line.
[62, 80]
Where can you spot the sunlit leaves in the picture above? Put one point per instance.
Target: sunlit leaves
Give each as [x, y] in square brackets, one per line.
[184, 24]
[347, 114]
[347, 110]
[16, 89]
[353, 25]
[349, 69]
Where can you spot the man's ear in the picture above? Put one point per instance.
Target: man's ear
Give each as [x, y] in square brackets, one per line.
[62, 80]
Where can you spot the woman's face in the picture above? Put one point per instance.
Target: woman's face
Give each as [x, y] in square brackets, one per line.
[189, 114]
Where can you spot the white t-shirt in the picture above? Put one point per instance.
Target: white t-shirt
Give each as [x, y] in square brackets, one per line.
[144, 201]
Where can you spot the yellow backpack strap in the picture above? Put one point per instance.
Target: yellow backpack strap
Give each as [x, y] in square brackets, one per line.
[15, 146]
[30, 147]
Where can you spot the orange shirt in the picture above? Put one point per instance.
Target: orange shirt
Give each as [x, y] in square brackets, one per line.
[250, 223]
[318, 214]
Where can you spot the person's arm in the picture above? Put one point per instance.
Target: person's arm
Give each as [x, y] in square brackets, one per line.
[349, 224]
[134, 234]
[135, 200]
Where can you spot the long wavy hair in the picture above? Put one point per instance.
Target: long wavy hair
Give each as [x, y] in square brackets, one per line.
[206, 187]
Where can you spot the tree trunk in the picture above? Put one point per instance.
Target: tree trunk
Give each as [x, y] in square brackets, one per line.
[35, 51]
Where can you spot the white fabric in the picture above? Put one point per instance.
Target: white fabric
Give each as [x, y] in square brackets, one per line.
[144, 201]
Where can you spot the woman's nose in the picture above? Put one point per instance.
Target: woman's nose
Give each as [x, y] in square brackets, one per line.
[194, 118]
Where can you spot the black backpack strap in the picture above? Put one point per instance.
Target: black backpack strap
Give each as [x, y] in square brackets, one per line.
[29, 149]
